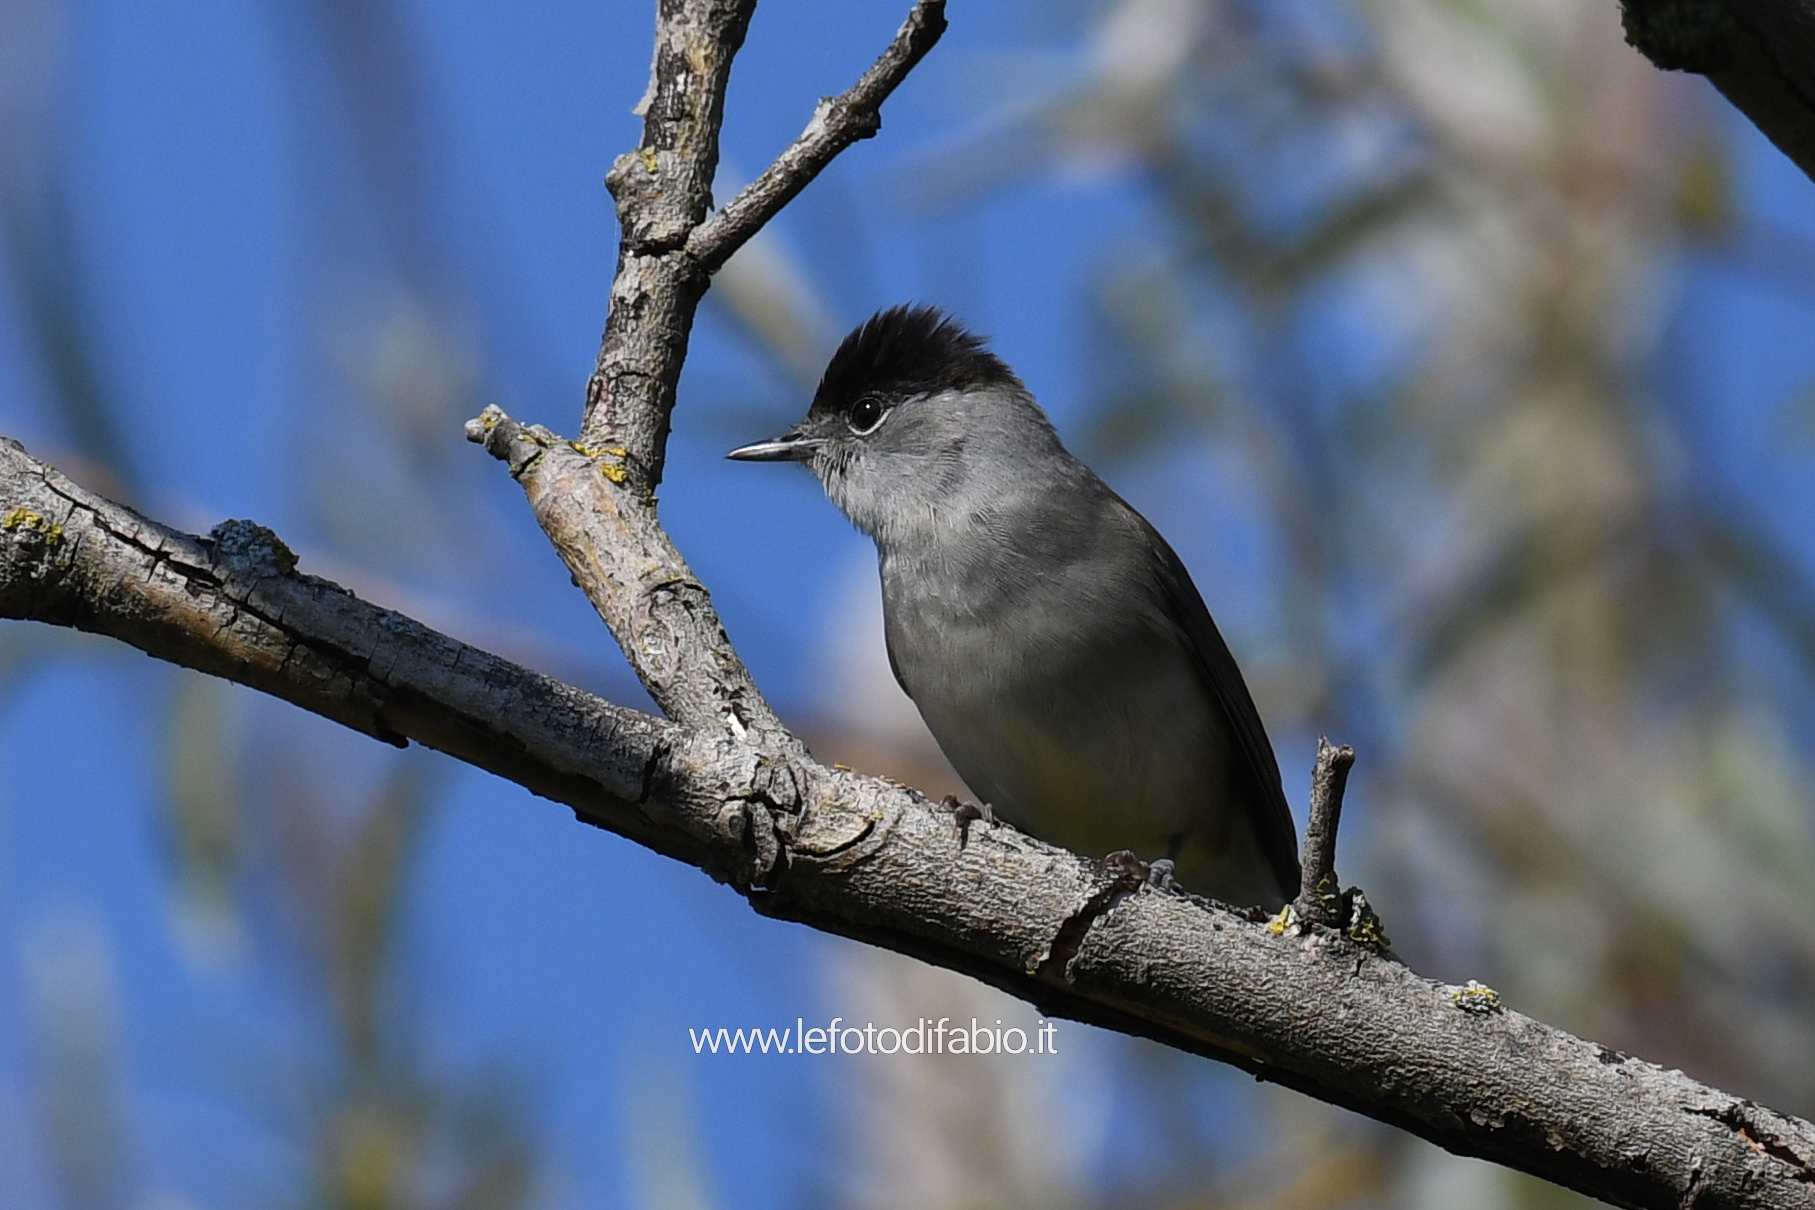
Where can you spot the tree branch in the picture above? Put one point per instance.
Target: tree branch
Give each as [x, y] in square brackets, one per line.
[603, 523]
[595, 498]
[1319, 903]
[838, 122]
[663, 191]
[232, 605]
[863, 858]
[1759, 53]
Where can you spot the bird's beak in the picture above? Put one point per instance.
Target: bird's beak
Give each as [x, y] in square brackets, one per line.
[789, 447]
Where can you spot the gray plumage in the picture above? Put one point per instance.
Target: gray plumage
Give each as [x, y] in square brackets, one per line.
[1052, 640]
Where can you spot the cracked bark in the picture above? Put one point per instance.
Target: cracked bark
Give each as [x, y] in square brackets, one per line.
[723, 785]
[1759, 53]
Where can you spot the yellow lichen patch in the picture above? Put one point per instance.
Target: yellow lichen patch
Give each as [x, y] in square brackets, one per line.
[616, 474]
[1473, 997]
[1367, 931]
[841, 768]
[26, 519]
[650, 163]
[1329, 896]
[1280, 923]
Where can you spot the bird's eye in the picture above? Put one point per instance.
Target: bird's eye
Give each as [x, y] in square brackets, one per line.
[866, 414]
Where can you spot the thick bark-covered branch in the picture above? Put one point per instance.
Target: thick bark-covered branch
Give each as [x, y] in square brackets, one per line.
[232, 604]
[867, 859]
[1759, 53]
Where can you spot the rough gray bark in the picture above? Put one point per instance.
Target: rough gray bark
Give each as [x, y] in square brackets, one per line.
[722, 784]
[1759, 53]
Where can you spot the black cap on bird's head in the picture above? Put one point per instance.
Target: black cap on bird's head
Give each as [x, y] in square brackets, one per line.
[907, 351]
[902, 353]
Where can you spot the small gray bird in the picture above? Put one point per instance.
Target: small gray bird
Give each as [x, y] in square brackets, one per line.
[1054, 643]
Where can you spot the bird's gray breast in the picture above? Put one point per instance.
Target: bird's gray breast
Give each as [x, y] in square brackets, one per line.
[1049, 672]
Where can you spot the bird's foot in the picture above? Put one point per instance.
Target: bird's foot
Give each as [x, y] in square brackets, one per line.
[1159, 875]
[1156, 874]
[967, 813]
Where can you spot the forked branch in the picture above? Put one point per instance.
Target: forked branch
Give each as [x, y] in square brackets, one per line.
[838, 122]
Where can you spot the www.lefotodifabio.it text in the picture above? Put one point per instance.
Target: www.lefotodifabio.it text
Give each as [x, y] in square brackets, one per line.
[924, 1037]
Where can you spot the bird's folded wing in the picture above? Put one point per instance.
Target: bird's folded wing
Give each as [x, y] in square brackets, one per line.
[1259, 768]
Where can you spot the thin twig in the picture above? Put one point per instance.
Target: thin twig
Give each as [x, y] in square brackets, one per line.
[1319, 898]
[837, 123]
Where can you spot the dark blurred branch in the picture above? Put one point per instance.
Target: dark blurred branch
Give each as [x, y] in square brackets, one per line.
[838, 122]
[867, 859]
[1759, 53]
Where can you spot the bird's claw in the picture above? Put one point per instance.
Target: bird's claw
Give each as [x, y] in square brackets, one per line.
[1155, 874]
[1159, 875]
[967, 813]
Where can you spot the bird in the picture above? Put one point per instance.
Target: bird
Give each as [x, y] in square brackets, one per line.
[1051, 639]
